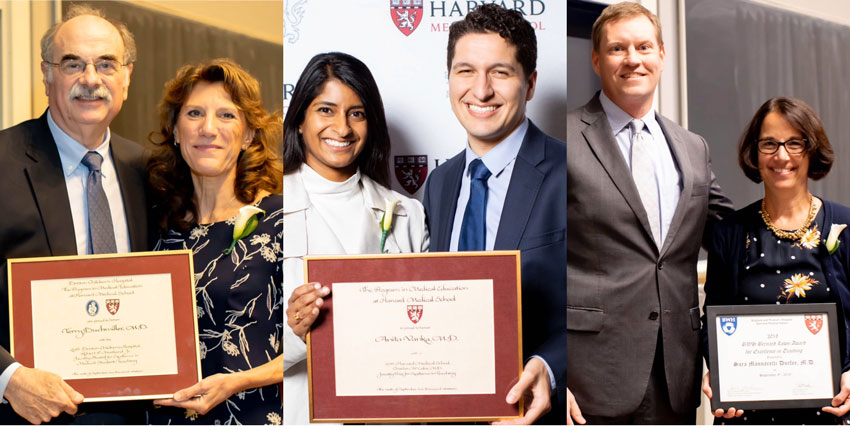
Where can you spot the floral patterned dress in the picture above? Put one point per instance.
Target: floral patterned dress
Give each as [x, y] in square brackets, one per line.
[240, 313]
[781, 271]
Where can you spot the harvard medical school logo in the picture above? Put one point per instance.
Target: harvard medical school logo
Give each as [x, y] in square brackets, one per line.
[406, 15]
[414, 312]
[814, 322]
[728, 325]
[112, 305]
[411, 170]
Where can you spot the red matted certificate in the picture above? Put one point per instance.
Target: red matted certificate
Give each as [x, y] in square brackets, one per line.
[114, 327]
[415, 337]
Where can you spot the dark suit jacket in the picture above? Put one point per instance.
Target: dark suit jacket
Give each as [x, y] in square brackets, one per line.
[36, 219]
[622, 290]
[728, 253]
[534, 222]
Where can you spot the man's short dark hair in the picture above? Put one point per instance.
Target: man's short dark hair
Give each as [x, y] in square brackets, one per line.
[802, 117]
[491, 18]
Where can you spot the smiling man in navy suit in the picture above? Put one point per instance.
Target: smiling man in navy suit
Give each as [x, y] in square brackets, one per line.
[507, 190]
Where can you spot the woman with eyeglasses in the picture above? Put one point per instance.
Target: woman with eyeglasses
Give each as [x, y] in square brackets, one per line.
[775, 250]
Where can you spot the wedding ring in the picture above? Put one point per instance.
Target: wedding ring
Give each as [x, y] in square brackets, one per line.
[297, 317]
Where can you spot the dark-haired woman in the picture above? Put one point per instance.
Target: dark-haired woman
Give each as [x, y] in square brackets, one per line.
[336, 152]
[215, 165]
[774, 251]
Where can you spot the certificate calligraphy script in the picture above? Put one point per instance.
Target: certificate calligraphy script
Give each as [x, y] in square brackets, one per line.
[105, 326]
[414, 337]
[774, 357]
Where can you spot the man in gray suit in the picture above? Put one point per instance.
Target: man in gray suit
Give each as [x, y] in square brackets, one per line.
[641, 199]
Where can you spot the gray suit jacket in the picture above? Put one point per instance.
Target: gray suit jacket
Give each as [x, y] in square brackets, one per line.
[621, 289]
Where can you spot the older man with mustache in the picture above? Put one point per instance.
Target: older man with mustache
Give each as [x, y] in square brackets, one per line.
[70, 186]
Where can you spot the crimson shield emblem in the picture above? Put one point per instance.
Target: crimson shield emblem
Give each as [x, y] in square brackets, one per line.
[411, 170]
[414, 312]
[814, 322]
[406, 15]
[112, 305]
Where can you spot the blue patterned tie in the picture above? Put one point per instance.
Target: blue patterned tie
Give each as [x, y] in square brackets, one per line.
[473, 230]
[101, 234]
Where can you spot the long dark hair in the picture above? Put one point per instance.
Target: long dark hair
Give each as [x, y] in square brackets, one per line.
[374, 159]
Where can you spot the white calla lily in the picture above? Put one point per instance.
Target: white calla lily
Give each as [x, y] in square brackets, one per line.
[244, 224]
[832, 241]
[387, 221]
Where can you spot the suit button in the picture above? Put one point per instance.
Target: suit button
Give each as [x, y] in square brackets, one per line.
[653, 315]
[660, 265]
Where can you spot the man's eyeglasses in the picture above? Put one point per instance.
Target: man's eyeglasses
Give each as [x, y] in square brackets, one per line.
[73, 67]
[792, 146]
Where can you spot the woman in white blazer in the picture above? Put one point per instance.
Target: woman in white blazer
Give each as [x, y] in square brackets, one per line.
[336, 176]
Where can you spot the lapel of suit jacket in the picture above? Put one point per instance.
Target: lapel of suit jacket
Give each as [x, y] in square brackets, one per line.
[602, 143]
[46, 177]
[132, 192]
[375, 197]
[680, 155]
[295, 204]
[450, 191]
[526, 180]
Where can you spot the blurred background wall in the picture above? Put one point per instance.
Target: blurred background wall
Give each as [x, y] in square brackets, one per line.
[168, 35]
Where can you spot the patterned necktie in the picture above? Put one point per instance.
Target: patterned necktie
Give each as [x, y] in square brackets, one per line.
[101, 234]
[643, 173]
[473, 230]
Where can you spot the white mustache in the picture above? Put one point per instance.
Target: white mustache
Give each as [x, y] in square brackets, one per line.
[81, 91]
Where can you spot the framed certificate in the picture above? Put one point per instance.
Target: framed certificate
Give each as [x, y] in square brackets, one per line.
[113, 326]
[773, 356]
[415, 337]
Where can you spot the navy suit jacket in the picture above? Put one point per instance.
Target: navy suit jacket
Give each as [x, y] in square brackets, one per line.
[534, 221]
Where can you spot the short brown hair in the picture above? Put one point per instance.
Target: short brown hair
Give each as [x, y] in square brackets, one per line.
[259, 167]
[803, 118]
[507, 23]
[619, 11]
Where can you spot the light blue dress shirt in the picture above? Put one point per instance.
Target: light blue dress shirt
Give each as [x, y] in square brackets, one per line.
[500, 162]
[667, 174]
[71, 155]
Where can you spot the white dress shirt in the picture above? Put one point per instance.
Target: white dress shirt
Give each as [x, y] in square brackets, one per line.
[667, 174]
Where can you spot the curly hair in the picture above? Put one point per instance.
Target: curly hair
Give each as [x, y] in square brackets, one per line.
[258, 168]
[492, 18]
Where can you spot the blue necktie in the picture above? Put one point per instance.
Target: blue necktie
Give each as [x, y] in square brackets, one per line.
[473, 230]
[101, 234]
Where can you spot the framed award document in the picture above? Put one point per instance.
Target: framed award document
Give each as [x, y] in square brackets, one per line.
[113, 326]
[773, 356]
[415, 337]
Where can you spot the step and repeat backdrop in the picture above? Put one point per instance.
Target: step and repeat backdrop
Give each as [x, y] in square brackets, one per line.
[404, 44]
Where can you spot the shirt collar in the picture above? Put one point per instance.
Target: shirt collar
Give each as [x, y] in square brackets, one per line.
[502, 154]
[71, 152]
[619, 119]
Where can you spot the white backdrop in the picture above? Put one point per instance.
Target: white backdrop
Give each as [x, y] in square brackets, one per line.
[411, 69]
